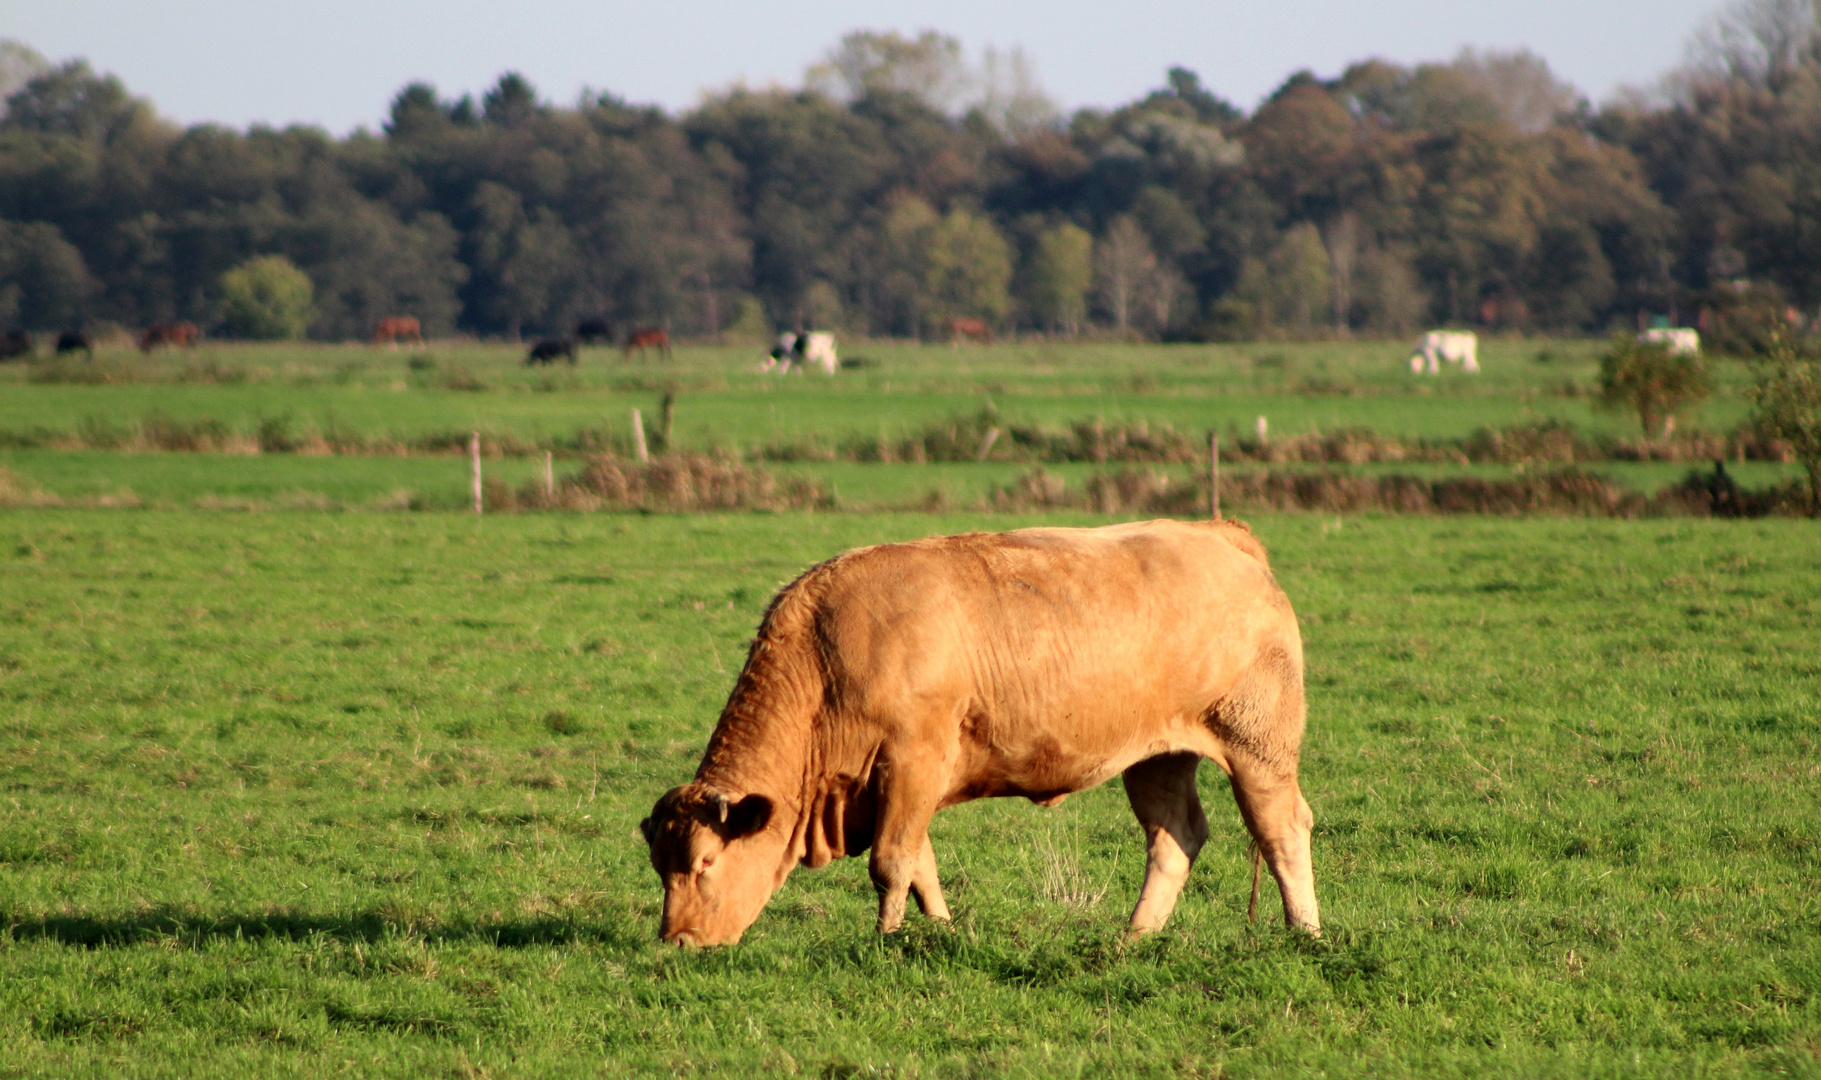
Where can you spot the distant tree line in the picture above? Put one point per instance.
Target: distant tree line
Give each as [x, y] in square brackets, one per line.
[903, 188]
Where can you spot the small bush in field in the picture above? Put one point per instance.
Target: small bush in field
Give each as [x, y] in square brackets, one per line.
[1789, 409]
[1646, 378]
[267, 299]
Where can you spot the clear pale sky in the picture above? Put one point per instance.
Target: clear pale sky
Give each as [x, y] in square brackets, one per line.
[338, 63]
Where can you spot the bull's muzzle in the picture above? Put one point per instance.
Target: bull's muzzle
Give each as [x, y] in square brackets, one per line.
[684, 939]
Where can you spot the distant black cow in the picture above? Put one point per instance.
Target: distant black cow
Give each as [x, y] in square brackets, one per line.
[594, 332]
[15, 344]
[75, 341]
[547, 351]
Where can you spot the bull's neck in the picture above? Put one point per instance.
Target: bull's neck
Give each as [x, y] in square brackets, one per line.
[760, 748]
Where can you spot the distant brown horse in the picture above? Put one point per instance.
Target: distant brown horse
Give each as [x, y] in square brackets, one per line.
[971, 329]
[175, 334]
[393, 328]
[649, 337]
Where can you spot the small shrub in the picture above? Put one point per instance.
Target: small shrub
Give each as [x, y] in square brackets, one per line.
[1788, 397]
[266, 299]
[1646, 378]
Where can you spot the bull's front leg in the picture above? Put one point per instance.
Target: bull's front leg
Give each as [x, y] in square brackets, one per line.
[926, 887]
[902, 858]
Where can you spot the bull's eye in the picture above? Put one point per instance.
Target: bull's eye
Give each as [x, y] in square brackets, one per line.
[707, 861]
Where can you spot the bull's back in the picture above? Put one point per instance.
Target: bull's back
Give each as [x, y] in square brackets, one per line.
[1053, 654]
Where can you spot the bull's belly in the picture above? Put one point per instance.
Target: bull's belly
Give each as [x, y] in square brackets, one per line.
[1046, 767]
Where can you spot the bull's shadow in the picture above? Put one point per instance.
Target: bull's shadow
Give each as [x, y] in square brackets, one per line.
[163, 925]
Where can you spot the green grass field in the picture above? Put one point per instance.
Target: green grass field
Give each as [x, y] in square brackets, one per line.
[305, 794]
[73, 439]
[724, 400]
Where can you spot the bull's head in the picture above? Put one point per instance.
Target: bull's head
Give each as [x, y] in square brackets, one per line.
[718, 860]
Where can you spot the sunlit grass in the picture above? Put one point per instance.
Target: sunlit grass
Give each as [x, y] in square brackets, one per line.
[295, 794]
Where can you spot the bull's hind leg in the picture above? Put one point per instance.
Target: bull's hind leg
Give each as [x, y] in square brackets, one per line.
[1162, 793]
[1279, 819]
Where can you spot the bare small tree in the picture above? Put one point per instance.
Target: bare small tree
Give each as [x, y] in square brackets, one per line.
[1758, 42]
[1011, 98]
[1342, 240]
[1520, 84]
[1123, 261]
[19, 64]
[931, 66]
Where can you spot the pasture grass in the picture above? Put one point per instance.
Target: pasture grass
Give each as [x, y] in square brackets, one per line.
[723, 400]
[295, 794]
[301, 482]
[83, 440]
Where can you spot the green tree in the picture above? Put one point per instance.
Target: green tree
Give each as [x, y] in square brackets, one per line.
[528, 262]
[44, 284]
[71, 100]
[1788, 398]
[267, 299]
[1058, 276]
[1289, 289]
[1647, 379]
[898, 265]
[970, 269]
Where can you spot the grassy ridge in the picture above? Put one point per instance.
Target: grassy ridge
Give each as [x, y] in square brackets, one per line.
[284, 481]
[725, 401]
[66, 437]
[355, 794]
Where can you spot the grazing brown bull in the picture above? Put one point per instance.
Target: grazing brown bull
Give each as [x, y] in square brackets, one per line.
[649, 337]
[971, 329]
[395, 328]
[174, 334]
[893, 681]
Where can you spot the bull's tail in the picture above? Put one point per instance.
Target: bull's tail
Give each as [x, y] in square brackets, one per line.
[1258, 857]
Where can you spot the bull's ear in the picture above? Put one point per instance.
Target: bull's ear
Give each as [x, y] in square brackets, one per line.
[645, 829]
[747, 816]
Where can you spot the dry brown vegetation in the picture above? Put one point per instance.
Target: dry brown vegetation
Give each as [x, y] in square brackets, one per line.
[669, 482]
[1567, 491]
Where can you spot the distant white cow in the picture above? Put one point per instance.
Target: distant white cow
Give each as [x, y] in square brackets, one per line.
[1683, 341]
[819, 349]
[1455, 347]
[801, 350]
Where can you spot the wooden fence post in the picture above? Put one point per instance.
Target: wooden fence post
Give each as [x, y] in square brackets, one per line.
[1214, 472]
[639, 449]
[549, 478]
[474, 467]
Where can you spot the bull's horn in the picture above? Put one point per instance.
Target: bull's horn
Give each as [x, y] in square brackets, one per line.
[721, 804]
